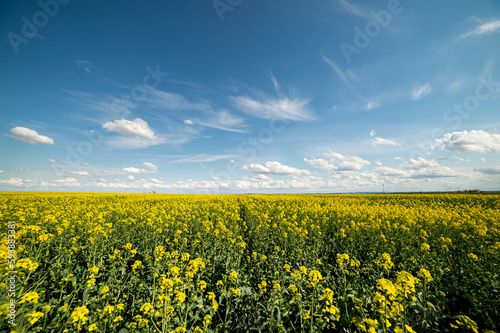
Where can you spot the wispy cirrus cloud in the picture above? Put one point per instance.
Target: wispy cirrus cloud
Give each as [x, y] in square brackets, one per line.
[222, 120]
[270, 108]
[484, 28]
[421, 91]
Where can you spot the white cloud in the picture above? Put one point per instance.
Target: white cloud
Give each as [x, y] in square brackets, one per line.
[275, 168]
[85, 64]
[67, 182]
[12, 182]
[22, 169]
[338, 162]
[391, 172]
[204, 158]
[29, 136]
[51, 160]
[79, 173]
[384, 142]
[422, 168]
[223, 120]
[136, 128]
[421, 91]
[134, 170]
[130, 177]
[372, 105]
[188, 122]
[372, 133]
[270, 108]
[1, 171]
[485, 28]
[473, 141]
[489, 171]
[156, 181]
[150, 166]
[163, 100]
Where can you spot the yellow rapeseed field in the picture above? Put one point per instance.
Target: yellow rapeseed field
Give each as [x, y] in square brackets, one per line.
[250, 263]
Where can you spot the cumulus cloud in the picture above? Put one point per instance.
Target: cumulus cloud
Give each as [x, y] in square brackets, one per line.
[136, 128]
[270, 108]
[421, 91]
[337, 162]
[485, 28]
[134, 170]
[275, 168]
[390, 172]
[12, 182]
[150, 166]
[473, 141]
[30, 136]
[79, 173]
[422, 168]
[66, 182]
[384, 142]
[188, 122]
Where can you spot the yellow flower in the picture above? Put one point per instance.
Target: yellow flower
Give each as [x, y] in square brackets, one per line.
[185, 257]
[425, 247]
[343, 259]
[180, 297]
[315, 276]
[203, 285]
[472, 256]
[79, 314]
[233, 276]
[137, 264]
[92, 327]
[307, 315]
[303, 270]
[287, 267]
[384, 261]
[35, 316]
[31, 297]
[94, 270]
[465, 322]
[236, 292]
[425, 274]
[146, 308]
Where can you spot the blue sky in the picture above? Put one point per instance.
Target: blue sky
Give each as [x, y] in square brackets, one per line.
[249, 96]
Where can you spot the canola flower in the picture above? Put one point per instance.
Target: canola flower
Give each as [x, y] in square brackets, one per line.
[174, 263]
